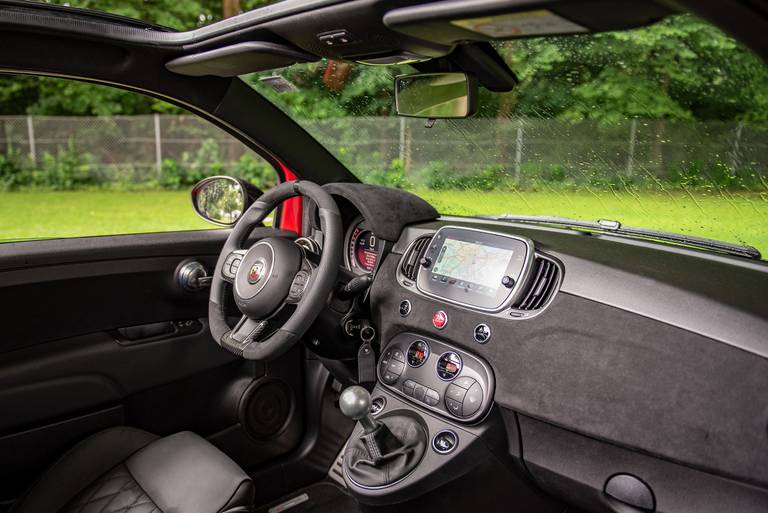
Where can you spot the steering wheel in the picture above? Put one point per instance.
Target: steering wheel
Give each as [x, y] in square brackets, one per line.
[272, 274]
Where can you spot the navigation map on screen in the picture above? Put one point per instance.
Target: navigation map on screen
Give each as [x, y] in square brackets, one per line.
[475, 263]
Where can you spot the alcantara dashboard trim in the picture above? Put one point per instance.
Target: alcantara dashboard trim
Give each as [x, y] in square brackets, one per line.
[648, 295]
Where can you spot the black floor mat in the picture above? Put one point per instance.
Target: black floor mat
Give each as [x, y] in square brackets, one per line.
[323, 497]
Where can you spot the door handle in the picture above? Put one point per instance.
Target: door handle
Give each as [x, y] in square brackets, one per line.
[132, 335]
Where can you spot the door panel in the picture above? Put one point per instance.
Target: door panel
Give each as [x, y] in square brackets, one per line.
[67, 371]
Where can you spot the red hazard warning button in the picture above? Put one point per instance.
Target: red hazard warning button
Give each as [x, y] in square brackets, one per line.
[439, 319]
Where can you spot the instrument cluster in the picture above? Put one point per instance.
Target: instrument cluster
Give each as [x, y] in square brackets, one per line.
[363, 248]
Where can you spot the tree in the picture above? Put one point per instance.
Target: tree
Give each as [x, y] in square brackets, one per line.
[680, 68]
[230, 8]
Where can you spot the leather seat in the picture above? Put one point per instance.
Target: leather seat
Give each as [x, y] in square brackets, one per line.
[126, 470]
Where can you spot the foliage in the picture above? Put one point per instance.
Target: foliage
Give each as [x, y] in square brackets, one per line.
[208, 161]
[256, 171]
[393, 176]
[438, 176]
[67, 170]
[11, 169]
[680, 68]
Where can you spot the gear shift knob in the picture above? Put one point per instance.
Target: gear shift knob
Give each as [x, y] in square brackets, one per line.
[355, 403]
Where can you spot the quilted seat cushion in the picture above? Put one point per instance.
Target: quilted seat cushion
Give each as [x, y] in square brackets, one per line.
[115, 492]
[125, 470]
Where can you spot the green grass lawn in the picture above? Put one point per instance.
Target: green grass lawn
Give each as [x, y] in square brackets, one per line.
[74, 214]
[740, 218]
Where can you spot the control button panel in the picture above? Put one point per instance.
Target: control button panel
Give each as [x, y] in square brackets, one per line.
[391, 365]
[464, 397]
[421, 393]
[437, 376]
[232, 264]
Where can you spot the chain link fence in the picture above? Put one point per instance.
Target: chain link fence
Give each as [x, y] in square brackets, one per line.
[527, 148]
[144, 149]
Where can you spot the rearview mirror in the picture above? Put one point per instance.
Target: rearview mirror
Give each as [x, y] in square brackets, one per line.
[222, 200]
[436, 95]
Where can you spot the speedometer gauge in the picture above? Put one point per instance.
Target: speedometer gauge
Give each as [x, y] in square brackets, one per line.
[362, 248]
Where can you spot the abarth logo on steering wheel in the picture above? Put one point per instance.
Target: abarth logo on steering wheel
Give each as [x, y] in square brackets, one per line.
[257, 270]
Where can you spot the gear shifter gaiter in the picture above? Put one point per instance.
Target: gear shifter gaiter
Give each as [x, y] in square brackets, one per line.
[387, 454]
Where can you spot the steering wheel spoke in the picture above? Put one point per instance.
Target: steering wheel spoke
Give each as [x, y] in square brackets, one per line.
[300, 283]
[231, 265]
[247, 330]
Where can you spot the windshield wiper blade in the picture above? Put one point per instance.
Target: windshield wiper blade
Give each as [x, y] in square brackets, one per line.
[609, 226]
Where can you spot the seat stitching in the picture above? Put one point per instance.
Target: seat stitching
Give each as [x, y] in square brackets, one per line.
[134, 505]
[122, 489]
[91, 499]
[138, 498]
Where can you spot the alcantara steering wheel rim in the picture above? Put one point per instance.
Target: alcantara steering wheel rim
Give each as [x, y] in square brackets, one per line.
[271, 273]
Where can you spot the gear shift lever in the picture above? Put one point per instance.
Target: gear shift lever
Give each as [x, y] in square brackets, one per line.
[387, 450]
[355, 403]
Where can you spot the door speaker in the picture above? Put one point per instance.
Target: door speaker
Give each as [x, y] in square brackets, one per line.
[266, 408]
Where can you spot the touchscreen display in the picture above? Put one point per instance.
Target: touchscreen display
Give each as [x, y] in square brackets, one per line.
[471, 265]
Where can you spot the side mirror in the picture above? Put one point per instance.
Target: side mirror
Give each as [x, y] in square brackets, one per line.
[436, 95]
[221, 200]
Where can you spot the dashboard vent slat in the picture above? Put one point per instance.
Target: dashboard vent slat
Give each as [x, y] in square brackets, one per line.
[542, 286]
[410, 263]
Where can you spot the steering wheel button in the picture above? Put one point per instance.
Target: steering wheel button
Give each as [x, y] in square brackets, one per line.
[408, 387]
[456, 393]
[398, 355]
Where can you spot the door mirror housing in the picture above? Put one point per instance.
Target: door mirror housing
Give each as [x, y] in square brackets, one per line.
[221, 200]
[436, 95]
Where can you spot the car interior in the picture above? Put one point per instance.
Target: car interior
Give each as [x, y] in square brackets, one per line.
[362, 352]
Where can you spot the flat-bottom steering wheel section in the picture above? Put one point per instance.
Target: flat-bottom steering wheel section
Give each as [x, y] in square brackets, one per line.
[273, 276]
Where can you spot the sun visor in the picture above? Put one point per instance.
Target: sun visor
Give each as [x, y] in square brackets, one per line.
[453, 21]
[239, 59]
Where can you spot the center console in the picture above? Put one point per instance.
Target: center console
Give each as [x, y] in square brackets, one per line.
[439, 377]
[433, 436]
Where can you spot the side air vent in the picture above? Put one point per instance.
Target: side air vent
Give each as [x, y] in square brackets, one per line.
[546, 277]
[409, 266]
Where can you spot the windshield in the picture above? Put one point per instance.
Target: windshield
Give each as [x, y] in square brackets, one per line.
[662, 128]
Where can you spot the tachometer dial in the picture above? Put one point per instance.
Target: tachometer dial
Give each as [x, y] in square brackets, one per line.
[362, 249]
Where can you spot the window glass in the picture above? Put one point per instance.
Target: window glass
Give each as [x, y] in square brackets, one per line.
[80, 160]
[183, 15]
[662, 127]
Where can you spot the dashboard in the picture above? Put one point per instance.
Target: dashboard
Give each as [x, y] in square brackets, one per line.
[603, 356]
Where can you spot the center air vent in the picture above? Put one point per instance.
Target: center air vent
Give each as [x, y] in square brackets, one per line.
[409, 265]
[546, 277]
